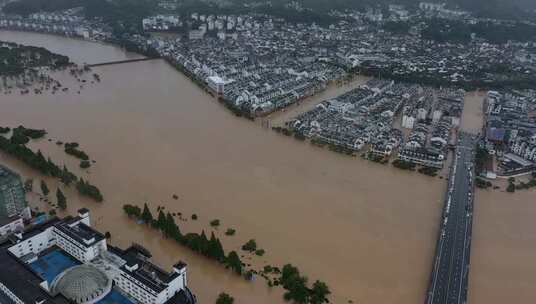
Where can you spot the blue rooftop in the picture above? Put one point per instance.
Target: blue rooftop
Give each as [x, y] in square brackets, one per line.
[50, 265]
[114, 297]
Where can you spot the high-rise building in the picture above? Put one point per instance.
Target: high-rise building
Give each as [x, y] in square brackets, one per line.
[12, 199]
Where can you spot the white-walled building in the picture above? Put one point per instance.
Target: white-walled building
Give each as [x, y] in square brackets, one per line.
[10, 224]
[431, 6]
[146, 282]
[196, 34]
[408, 121]
[216, 83]
[71, 262]
[73, 235]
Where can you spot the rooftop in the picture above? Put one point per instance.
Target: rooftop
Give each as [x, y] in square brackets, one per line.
[148, 273]
[4, 220]
[79, 231]
[23, 281]
[81, 283]
[52, 264]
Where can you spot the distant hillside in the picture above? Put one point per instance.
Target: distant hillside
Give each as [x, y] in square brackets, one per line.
[526, 4]
[510, 9]
[487, 8]
[25, 7]
[496, 8]
[483, 8]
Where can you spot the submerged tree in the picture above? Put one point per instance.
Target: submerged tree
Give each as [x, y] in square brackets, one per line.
[319, 293]
[146, 215]
[62, 200]
[131, 210]
[224, 298]
[161, 221]
[44, 188]
[233, 261]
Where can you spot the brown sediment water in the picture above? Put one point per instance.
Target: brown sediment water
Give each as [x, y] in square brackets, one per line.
[368, 230]
[503, 247]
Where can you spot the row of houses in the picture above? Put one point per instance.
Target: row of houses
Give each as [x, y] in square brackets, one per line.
[66, 26]
[365, 117]
[510, 129]
[427, 144]
[360, 117]
[260, 83]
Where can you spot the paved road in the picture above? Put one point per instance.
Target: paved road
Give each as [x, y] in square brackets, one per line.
[448, 284]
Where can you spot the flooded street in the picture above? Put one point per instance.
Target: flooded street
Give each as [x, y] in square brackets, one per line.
[473, 113]
[367, 230]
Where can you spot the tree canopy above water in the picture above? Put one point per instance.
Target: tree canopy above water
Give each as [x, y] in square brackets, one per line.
[16, 59]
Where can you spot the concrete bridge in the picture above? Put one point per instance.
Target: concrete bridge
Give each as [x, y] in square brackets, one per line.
[449, 279]
[121, 61]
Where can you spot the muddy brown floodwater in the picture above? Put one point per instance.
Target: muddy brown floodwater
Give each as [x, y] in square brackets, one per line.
[503, 241]
[367, 230]
[503, 248]
[79, 51]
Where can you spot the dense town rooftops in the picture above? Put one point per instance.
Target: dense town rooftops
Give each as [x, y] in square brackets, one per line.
[267, 63]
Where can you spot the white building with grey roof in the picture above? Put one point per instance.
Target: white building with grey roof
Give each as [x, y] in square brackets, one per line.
[67, 261]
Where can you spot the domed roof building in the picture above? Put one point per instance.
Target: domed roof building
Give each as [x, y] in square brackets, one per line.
[73, 264]
[83, 284]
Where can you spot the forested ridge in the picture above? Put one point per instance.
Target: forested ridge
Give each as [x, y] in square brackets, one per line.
[127, 10]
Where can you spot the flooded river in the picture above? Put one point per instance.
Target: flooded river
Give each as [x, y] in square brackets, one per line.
[504, 247]
[79, 51]
[367, 230]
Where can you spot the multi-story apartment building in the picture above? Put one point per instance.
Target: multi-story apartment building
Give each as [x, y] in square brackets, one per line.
[10, 224]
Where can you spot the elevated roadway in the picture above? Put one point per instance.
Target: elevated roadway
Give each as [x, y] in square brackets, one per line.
[450, 273]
